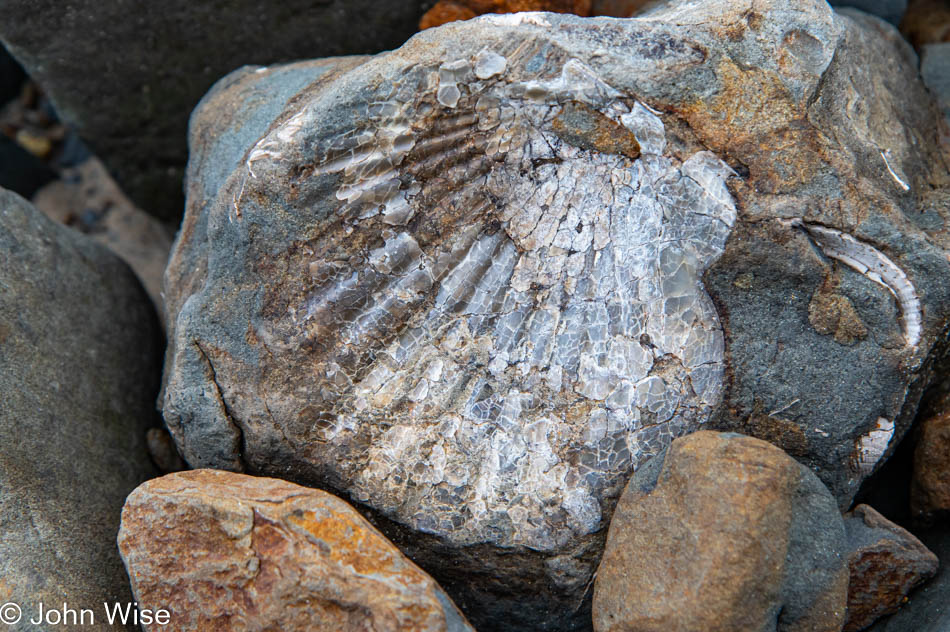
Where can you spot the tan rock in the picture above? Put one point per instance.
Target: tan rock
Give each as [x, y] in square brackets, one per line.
[930, 485]
[225, 551]
[89, 200]
[722, 532]
[886, 563]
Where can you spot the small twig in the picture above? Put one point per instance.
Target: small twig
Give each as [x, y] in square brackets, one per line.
[785, 407]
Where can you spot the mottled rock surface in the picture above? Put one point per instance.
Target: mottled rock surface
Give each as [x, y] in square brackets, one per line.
[723, 532]
[79, 368]
[928, 607]
[886, 562]
[930, 485]
[133, 107]
[474, 282]
[224, 551]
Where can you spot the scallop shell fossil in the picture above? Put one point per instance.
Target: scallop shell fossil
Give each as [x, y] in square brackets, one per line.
[505, 310]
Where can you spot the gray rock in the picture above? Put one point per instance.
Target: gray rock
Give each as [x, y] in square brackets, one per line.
[890, 10]
[823, 359]
[460, 282]
[79, 362]
[886, 563]
[132, 106]
[935, 70]
[928, 608]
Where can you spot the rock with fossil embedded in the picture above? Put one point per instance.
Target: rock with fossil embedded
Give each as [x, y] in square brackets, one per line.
[474, 282]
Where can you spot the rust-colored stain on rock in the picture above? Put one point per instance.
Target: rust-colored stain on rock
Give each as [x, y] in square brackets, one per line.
[885, 566]
[225, 551]
[586, 128]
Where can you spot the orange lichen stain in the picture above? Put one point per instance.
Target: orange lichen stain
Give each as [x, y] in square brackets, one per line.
[355, 544]
[755, 119]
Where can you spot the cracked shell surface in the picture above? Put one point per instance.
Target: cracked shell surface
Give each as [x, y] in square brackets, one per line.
[473, 282]
[498, 313]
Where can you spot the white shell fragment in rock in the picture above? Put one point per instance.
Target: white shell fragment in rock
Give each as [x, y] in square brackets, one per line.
[529, 324]
[875, 265]
[872, 446]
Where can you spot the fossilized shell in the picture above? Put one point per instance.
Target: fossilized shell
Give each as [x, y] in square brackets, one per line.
[876, 266]
[503, 312]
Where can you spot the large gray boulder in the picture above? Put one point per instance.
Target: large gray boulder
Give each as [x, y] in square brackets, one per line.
[79, 370]
[127, 74]
[475, 282]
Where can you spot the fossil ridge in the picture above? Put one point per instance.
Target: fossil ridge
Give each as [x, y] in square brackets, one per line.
[475, 282]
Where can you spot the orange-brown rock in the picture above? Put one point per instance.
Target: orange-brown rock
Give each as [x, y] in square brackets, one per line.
[886, 562]
[930, 485]
[443, 13]
[927, 22]
[722, 532]
[446, 11]
[225, 551]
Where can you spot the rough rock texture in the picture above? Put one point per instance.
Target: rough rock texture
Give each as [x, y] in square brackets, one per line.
[133, 107]
[723, 532]
[928, 607]
[473, 283]
[79, 369]
[224, 551]
[822, 325]
[886, 562]
[930, 485]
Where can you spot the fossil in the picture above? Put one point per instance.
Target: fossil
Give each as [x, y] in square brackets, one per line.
[872, 446]
[505, 306]
[473, 283]
[873, 264]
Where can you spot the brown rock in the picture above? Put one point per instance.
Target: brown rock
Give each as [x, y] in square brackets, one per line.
[930, 485]
[443, 13]
[722, 532]
[926, 22]
[224, 551]
[886, 563]
[831, 313]
[161, 447]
